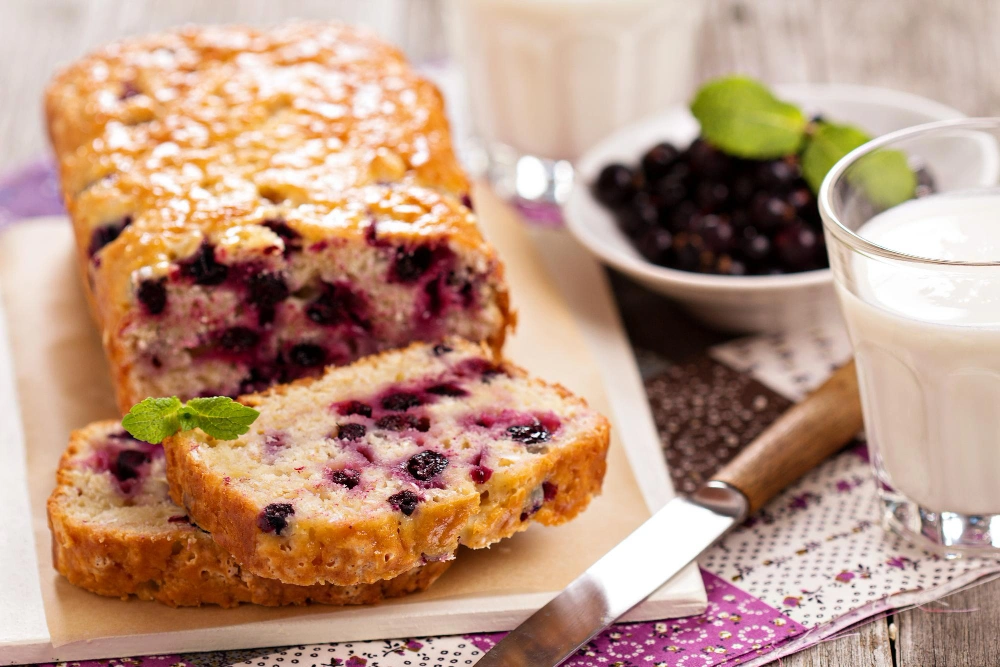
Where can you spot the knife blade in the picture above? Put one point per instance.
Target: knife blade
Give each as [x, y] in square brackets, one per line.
[622, 578]
[685, 527]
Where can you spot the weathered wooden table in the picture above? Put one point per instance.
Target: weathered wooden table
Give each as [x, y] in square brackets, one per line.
[945, 49]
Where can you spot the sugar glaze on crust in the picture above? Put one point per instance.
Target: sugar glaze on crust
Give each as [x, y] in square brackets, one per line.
[251, 205]
[115, 532]
[378, 467]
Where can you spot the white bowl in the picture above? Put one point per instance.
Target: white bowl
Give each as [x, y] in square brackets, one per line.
[765, 304]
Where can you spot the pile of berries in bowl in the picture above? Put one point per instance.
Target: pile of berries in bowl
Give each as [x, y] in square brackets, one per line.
[698, 209]
[721, 216]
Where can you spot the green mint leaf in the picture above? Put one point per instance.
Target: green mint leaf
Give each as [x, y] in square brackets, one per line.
[884, 175]
[153, 419]
[827, 145]
[222, 417]
[741, 117]
[188, 418]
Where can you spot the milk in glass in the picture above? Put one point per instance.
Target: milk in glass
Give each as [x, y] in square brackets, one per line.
[927, 343]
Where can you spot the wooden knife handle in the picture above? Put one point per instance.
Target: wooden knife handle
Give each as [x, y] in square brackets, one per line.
[799, 440]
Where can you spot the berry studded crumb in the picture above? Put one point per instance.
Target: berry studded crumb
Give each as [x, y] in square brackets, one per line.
[132, 540]
[331, 239]
[274, 518]
[404, 501]
[407, 453]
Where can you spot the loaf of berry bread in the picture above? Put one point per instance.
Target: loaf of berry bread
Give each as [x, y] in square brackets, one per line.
[116, 533]
[252, 205]
[376, 468]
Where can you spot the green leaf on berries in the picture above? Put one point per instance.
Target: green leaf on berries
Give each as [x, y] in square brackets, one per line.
[883, 175]
[826, 146]
[743, 118]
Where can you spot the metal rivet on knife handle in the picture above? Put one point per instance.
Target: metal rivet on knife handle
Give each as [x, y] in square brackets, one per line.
[799, 440]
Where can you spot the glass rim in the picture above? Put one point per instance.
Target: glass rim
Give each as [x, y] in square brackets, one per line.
[833, 224]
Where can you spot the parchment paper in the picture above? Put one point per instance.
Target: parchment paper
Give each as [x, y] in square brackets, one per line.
[63, 384]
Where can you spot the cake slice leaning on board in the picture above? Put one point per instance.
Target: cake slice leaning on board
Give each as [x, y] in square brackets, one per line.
[115, 532]
[253, 205]
[390, 463]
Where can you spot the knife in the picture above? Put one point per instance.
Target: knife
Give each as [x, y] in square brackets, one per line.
[678, 533]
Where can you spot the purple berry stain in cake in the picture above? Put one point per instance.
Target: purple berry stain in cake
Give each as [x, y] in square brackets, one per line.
[426, 465]
[238, 340]
[481, 474]
[531, 429]
[400, 401]
[126, 459]
[203, 268]
[351, 431]
[535, 502]
[339, 305]
[403, 422]
[307, 355]
[529, 434]
[291, 238]
[430, 269]
[179, 518]
[475, 367]
[266, 291]
[256, 380]
[347, 478]
[348, 408]
[446, 389]
[467, 202]
[152, 294]
[549, 490]
[274, 443]
[274, 517]
[129, 89]
[410, 264]
[105, 234]
[404, 501]
[128, 464]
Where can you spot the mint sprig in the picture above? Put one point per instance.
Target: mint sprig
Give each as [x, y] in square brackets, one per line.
[827, 145]
[885, 176]
[154, 419]
[741, 117]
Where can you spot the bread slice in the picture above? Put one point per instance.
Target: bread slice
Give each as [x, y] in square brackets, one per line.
[116, 533]
[378, 467]
[251, 205]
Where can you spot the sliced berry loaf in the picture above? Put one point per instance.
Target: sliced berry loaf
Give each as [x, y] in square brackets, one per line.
[116, 533]
[392, 462]
[252, 205]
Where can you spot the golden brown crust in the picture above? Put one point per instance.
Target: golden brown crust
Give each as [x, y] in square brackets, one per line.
[386, 543]
[204, 132]
[182, 565]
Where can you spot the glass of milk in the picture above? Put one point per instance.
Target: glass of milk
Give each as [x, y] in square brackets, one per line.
[547, 79]
[919, 288]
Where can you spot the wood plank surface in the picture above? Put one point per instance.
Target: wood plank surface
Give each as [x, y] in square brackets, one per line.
[945, 49]
[867, 646]
[959, 630]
